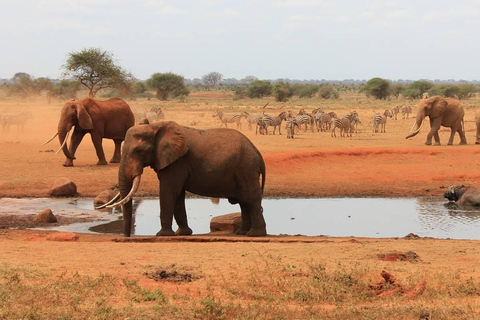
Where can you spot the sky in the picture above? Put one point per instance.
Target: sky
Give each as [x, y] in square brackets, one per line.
[268, 39]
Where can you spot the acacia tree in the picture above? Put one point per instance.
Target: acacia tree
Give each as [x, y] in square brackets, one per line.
[211, 79]
[166, 83]
[95, 69]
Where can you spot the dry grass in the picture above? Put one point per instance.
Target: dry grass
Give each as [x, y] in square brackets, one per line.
[273, 290]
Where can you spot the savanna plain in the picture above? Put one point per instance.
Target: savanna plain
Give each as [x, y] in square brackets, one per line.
[220, 276]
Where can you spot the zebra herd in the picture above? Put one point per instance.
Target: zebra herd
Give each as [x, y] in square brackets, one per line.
[317, 119]
[19, 120]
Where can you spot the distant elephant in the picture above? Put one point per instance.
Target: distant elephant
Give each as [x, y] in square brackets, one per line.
[462, 195]
[109, 119]
[445, 112]
[477, 124]
[220, 163]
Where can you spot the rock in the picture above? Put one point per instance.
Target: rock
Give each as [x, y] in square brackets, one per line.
[228, 223]
[63, 187]
[62, 236]
[46, 216]
[104, 197]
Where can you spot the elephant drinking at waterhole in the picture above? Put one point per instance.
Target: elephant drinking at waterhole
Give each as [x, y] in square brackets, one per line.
[220, 163]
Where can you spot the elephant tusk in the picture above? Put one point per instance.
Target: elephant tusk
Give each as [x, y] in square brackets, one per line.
[64, 141]
[411, 129]
[109, 202]
[136, 184]
[56, 134]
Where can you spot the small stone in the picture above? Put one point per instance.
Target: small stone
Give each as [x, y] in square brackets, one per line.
[46, 216]
[63, 187]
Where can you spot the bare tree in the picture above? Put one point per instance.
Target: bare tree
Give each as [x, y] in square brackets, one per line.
[211, 79]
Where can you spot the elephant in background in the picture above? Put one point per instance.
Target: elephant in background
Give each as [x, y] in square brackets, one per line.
[477, 124]
[445, 112]
[109, 119]
[220, 163]
[463, 195]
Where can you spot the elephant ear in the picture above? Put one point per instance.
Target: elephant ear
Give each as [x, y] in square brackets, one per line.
[439, 105]
[84, 119]
[170, 142]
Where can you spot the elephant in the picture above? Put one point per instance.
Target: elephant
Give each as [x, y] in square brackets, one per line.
[219, 163]
[108, 119]
[445, 112]
[463, 195]
[477, 124]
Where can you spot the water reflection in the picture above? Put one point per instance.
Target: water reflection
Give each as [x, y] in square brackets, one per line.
[360, 217]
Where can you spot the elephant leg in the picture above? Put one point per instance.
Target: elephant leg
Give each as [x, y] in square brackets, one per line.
[167, 208]
[97, 143]
[180, 214]
[117, 154]
[435, 126]
[463, 139]
[253, 223]
[436, 137]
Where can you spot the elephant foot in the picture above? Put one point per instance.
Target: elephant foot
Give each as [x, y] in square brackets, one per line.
[241, 231]
[165, 233]
[465, 142]
[257, 233]
[477, 142]
[114, 160]
[68, 163]
[428, 143]
[102, 163]
[184, 231]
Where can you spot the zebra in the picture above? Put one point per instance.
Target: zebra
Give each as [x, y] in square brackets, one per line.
[274, 121]
[305, 119]
[406, 112]
[251, 119]
[323, 120]
[19, 120]
[228, 118]
[394, 111]
[290, 126]
[381, 119]
[345, 124]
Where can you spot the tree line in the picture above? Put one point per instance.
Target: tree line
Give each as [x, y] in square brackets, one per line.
[95, 69]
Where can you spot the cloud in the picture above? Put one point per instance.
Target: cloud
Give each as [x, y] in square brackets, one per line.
[306, 4]
[454, 13]
[161, 8]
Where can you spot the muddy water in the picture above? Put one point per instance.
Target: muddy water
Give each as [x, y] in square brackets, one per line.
[360, 217]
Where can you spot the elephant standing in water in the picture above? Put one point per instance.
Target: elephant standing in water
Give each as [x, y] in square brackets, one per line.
[219, 163]
[108, 119]
[445, 112]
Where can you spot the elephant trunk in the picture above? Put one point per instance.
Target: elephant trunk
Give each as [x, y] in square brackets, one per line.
[62, 133]
[128, 184]
[418, 123]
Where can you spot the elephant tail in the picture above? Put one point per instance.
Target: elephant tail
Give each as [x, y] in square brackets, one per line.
[263, 173]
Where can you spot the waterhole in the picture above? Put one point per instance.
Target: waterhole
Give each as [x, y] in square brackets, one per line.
[359, 217]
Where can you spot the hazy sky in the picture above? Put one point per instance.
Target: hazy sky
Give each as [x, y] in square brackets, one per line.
[269, 39]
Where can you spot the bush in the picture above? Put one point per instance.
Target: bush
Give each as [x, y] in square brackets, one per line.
[328, 92]
[282, 91]
[308, 91]
[378, 88]
[259, 89]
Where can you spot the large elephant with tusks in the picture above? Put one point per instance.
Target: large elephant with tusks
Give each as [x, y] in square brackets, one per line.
[220, 163]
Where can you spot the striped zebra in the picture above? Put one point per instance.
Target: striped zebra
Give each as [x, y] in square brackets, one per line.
[251, 119]
[381, 119]
[305, 119]
[271, 121]
[19, 120]
[159, 114]
[394, 111]
[345, 124]
[324, 120]
[290, 127]
[406, 110]
[228, 118]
